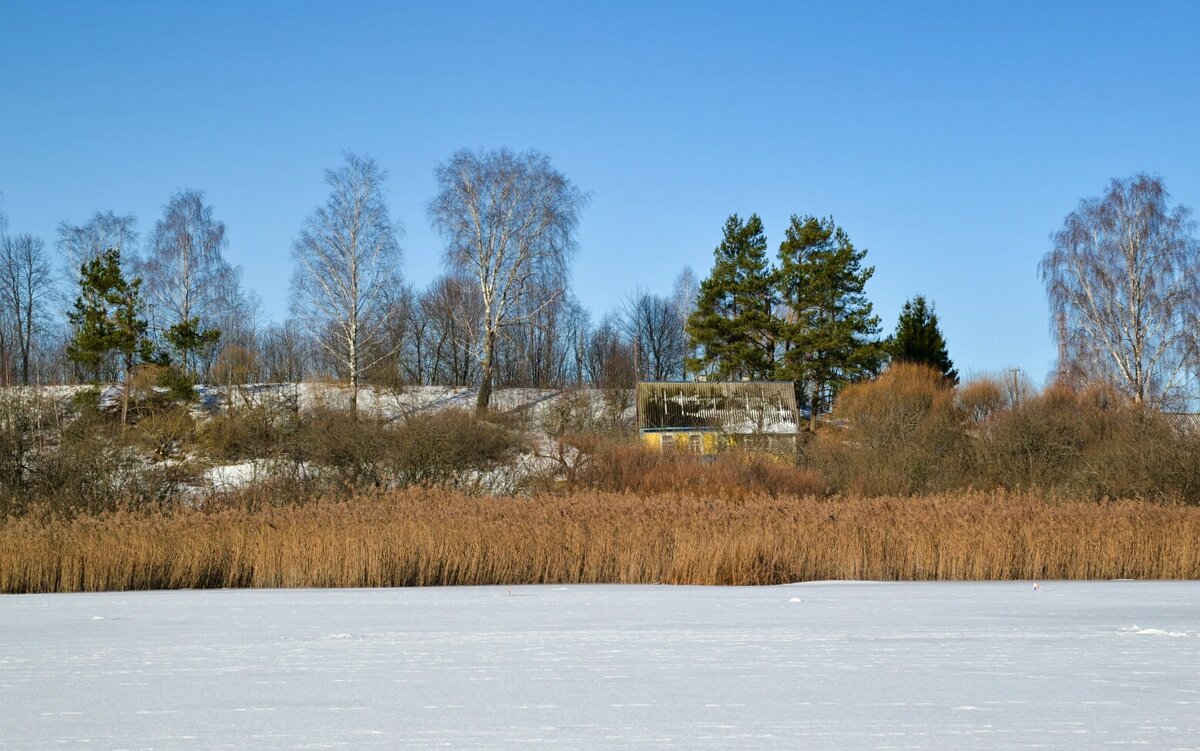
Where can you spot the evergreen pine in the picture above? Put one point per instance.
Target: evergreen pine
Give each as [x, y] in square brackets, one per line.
[829, 333]
[733, 328]
[918, 339]
[187, 337]
[108, 319]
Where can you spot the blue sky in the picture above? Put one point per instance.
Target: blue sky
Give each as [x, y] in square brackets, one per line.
[949, 139]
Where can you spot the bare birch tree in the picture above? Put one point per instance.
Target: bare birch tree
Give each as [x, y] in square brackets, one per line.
[82, 243]
[188, 283]
[508, 221]
[347, 257]
[1123, 279]
[26, 283]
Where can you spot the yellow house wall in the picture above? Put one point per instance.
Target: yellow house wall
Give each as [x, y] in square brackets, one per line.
[710, 443]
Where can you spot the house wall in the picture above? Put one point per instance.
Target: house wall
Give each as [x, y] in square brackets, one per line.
[711, 443]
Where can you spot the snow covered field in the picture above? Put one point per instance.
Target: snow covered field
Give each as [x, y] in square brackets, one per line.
[818, 666]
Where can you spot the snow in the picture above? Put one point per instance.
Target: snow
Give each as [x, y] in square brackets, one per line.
[233, 476]
[387, 403]
[867, 666]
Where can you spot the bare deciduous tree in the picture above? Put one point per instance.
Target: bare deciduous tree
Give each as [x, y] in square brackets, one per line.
[26, 283]
[683, 296]
[347, 257]
[396, 340]
[1123, 279]
[508, 221]
[81, 243]
[534, 352]
[577, 324]
[608, 360]
[284, 356]
[653, 325]
[453, 309]
[188, 283]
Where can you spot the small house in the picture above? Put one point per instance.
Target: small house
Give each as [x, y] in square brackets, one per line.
[706, 417]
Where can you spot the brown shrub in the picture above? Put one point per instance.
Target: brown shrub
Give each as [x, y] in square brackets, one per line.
[251, 432]
[904, 433]
[1090, 444]
[166, 433]
[626, 466]
[449, 448]
[910, 432]
[980, 399]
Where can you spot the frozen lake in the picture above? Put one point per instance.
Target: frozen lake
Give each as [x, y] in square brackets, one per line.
[818, 666]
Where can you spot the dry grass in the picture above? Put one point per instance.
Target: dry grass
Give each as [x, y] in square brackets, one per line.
[624, 466]
[438, 537]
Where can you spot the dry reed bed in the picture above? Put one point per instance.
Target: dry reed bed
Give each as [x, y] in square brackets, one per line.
[432, 537]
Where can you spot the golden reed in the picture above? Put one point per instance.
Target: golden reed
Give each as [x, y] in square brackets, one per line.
[434, 537]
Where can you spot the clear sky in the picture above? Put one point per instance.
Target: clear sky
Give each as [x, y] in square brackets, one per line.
[949, 139]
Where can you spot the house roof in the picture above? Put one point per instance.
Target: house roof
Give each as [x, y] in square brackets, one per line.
[727, 406]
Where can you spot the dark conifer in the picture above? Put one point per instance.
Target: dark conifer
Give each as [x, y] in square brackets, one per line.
[918, 339]
[733, 328]
[829, 335]
[108, 319]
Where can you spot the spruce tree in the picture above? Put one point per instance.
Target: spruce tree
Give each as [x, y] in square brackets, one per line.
[829, 334]
[733, 329]
[108, 319]
[918, 339]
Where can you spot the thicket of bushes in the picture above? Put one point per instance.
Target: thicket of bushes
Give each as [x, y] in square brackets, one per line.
[912, 432]
[911, 478]
[909, 432]
[80, 458]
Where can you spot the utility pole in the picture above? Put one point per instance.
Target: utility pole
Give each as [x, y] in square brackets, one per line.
[1016, 386]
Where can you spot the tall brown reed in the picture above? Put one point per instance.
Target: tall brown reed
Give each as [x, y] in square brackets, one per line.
[435, 537]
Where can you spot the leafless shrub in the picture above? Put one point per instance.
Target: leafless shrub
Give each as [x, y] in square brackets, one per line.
[255, 431]
[450, 448]
[1094, 444]
[166, 434]
[904, 434]
[623, 466]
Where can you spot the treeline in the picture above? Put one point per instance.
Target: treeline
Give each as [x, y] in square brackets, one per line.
[1122, 277]
[502, 313]
[112, 299]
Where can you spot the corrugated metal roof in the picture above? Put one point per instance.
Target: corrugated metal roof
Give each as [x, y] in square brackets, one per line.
[729, 406]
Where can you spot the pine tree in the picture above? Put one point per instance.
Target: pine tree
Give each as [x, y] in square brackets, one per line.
[187, 337]
[733, 326]
[829, 334]
[107, 319]
[918, 339]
